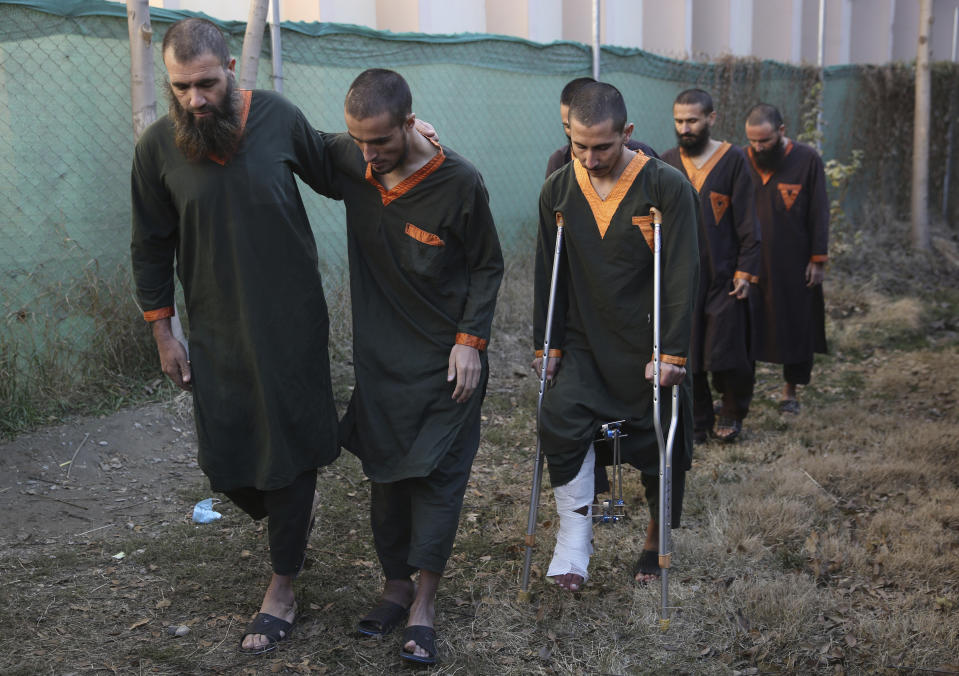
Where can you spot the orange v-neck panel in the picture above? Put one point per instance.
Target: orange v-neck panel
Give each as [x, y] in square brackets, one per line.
[766, 175]
[410, 181]
[246, 97]
[698, 176]
[603, 210]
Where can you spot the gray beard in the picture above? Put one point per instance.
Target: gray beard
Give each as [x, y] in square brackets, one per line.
[218, 136]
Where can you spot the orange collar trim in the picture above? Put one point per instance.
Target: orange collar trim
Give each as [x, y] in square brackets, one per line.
[698, 176]
[410, 181]
[247, 97]
[763, 174]
[603, 210]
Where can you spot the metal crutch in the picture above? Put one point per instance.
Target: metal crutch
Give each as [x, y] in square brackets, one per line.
[665, 447]
[524, 595]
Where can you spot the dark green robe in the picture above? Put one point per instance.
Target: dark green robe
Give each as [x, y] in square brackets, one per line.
[728, 249]
[245, 255]
[789, 318]
[603, 316]
[425, 267]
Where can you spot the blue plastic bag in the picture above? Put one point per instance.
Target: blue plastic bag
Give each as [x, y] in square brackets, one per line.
[203, 511]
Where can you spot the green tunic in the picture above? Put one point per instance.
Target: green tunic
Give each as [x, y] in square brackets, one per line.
[603, 315]
[425, 267]
[788, 317]
[247, 261]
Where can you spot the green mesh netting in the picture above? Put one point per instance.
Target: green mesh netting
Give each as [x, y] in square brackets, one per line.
[66, 134]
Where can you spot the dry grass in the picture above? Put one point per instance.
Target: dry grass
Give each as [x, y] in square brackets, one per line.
[822, 543]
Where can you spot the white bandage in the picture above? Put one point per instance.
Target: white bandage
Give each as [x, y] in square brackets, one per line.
[574, 541]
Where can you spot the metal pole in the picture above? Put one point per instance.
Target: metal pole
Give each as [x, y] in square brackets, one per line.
[820, 61]
[524, 596]
[665, 444]
[596, 39]
[947, 175]
[276, 47]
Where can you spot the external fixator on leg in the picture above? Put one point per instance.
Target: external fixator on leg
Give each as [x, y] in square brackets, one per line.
[574, 539]
[614, 509]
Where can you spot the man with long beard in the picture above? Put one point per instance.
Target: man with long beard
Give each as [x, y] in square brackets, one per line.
[788, 311]
[729, 256]
[602, 338]
[214, 194]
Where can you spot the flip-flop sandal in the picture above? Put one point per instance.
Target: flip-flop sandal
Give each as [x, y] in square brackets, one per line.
[275, 629]
[789, 406]
[730, 424]
[425, 638]
[383, 619]
[647, 563]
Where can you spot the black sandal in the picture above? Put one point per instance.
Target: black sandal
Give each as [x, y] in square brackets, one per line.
[730, 424]
[383, 619]
[646, 564]
[425, 638]
[275, 629]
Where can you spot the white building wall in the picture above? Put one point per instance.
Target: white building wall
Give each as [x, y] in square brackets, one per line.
[452, 16]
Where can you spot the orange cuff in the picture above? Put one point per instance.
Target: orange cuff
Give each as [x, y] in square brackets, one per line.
[670, 359]
[552, 353]
[752, 279]
[818, 258]
[471, 341]
[159, 313]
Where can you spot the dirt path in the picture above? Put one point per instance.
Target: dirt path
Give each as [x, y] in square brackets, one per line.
[95, 477]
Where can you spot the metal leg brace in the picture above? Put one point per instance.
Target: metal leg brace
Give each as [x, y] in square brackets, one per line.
[614, 509]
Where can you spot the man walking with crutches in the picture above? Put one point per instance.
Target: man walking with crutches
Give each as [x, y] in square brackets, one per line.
[601, 334]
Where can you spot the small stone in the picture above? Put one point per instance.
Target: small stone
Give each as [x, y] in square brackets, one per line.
[104, 443]
[178, 631]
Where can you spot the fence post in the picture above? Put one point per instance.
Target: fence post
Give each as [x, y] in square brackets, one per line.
[142, 88]
[252, 43]
[920, 137]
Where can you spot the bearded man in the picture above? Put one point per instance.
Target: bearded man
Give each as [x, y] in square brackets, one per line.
[213, 193]
[729, 256]
[788, 312]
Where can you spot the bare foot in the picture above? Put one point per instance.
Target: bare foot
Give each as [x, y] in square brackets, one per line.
[278, 602]
[569, 581]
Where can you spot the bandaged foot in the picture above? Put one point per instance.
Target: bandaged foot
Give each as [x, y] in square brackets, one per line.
[574, 541]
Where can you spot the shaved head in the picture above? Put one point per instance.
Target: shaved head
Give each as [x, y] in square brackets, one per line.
[376, 91]
[597, 102]
[194, 37]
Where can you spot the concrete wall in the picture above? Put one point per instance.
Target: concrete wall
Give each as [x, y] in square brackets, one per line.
[857, 31]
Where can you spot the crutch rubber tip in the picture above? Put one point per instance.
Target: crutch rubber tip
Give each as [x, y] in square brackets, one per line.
[524, 596]
[664, 624]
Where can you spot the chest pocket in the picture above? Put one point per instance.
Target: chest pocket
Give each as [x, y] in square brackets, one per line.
[421, 252]
[789, 193]
[719, 203]
[645, 225]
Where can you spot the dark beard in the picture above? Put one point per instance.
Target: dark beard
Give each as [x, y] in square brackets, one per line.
[218, 135]
[771, 158]
[693, 144]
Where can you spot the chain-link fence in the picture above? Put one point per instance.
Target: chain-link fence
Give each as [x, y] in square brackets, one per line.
[66, 145]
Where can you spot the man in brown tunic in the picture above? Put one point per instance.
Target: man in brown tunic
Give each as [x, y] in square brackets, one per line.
[729, 255]
[793, 210]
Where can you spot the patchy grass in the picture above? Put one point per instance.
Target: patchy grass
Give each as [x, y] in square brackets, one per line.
[826, 542]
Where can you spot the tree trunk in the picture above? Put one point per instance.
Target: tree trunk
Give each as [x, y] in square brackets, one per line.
[253, 43]
[276, 48]
[142, 89]
[920, 138]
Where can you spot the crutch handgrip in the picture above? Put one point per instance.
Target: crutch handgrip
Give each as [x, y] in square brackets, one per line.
[657, 215]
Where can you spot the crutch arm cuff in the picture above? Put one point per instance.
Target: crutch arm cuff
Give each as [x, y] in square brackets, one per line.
[159, 313]
[670, 359]
[752, 279]
[471, 341]
[552, 353]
